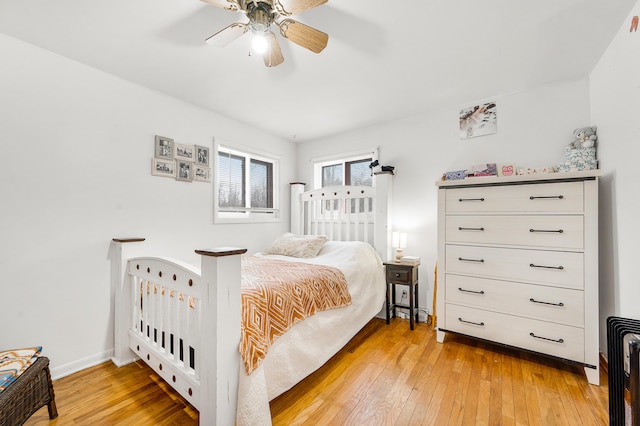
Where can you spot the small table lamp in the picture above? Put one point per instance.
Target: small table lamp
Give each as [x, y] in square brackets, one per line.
[399, 241]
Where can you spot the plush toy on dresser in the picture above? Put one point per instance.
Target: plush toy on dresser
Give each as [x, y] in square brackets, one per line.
[581, 153]
[585, 137]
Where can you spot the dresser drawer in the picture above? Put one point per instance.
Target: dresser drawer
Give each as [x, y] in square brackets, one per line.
[553, 268]
[540, 336]
[555, 304]
[549, 231]
[565, 197]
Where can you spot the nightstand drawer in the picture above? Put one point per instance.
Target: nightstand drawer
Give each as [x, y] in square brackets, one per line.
[400, 274]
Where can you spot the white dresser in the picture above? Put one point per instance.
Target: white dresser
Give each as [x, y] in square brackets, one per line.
[518, 263]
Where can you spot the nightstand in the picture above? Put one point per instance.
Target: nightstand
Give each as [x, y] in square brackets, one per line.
[402, 274]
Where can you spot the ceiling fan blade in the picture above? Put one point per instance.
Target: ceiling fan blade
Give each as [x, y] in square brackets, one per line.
[227, 35]
[291, 7]
[273, 56]
[231, 5]
[303, 35]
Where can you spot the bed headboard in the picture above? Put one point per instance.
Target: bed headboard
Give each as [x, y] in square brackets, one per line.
[346, 213]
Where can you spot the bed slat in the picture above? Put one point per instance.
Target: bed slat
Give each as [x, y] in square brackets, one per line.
[343, 213]
[184, 322]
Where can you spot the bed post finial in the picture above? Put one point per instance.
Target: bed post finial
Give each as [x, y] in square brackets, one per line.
[120, 250]
[297, 208]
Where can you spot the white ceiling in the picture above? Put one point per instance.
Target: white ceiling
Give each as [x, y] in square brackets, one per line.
[384, 60]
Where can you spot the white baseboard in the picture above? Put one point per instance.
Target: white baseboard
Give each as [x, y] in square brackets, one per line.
[79, 365]
[423, 314]
[121, 363]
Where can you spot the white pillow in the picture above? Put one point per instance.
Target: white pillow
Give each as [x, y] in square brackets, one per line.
[292, 245]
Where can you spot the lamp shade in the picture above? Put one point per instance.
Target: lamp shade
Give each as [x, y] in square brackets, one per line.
[399, 240]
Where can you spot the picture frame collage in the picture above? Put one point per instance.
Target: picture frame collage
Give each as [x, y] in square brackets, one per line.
[182, 162]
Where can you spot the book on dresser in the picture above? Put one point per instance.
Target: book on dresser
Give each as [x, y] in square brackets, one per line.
[518, 263]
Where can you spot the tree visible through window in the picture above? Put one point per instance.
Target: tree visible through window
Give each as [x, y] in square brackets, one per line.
[231, 180]
[347, 173]
[261, 184]
[358, 172]
[245, 184]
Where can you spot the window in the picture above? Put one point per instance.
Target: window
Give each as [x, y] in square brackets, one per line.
[345, 169]
[245, 186]
[347, 173]
[261, 184]
[348, 170]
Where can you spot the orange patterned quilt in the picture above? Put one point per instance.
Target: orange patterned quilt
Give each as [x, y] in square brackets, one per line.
[277, 294]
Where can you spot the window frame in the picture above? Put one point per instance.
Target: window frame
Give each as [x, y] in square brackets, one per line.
[246, 214]
[344, 159]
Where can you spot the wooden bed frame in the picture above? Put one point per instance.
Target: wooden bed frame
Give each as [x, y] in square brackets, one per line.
[194, 314]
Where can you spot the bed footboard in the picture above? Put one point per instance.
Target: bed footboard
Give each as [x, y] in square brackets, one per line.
[182, 321]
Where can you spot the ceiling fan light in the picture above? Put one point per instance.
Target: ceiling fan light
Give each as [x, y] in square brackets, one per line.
[259, 43]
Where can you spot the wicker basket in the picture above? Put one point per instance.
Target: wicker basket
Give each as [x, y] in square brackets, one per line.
[31, 391]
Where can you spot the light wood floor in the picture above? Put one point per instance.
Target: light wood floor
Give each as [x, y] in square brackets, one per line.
[387, 375]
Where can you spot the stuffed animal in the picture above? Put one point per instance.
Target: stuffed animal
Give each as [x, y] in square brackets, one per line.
[585, 137]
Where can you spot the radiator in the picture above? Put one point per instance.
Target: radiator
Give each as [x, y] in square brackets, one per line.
[623, 341]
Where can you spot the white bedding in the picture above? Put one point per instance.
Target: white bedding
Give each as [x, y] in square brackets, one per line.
[312, 342]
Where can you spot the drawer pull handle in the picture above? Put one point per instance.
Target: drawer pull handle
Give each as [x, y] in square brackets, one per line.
[471, 291]
[460, 228]
[559, 197]
[560, 268]
[545, 303]
[559, 231]
[462, 259]
[481, 324]
[546, 338]
[470, 199]
[397, 275]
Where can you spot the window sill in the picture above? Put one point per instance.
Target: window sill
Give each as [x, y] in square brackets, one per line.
[247, 220]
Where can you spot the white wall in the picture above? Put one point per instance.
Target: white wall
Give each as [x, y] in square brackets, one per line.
[77, 148]
[615, 99]
[533, 128]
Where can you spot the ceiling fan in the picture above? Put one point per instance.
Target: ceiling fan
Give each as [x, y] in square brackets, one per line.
[263, 13]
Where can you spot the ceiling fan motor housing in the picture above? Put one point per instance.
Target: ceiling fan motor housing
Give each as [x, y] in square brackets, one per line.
[260, 15]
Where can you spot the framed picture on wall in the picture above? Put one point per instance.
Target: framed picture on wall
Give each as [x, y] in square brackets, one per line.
[165, 168]
[202, 155]
[184, 171]
[478, 120]
[202, 174]
[185, 152]
[164, 148]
